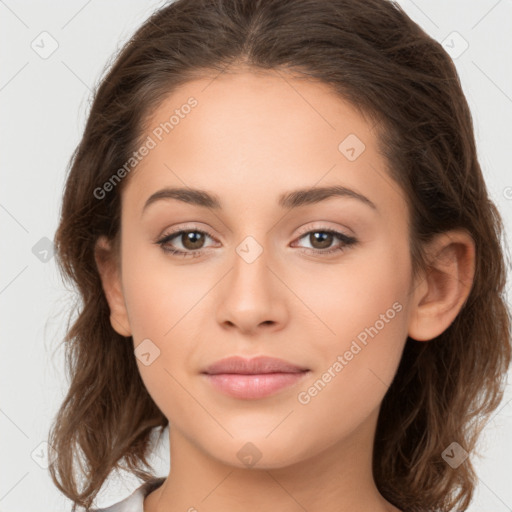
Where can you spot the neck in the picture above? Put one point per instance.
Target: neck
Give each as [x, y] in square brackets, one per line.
[337, 479]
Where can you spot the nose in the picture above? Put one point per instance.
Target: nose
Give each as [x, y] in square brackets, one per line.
[252, 297]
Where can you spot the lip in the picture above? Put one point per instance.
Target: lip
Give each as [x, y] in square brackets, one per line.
[255, 378]
[256, 365]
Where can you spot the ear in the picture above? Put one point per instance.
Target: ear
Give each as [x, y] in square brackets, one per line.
[110, 275]
[444, 286]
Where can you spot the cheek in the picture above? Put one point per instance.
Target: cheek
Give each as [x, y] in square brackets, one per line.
[159, 296]
[364, 309]
[360, 294]
[159, 291]
[163, 299]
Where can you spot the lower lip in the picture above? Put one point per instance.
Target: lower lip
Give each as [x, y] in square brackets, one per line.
[251, 387]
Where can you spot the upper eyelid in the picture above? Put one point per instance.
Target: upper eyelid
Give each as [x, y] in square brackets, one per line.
[300, 235]
[205, 231]
[180, 231]
[302, 230]
[307, 230]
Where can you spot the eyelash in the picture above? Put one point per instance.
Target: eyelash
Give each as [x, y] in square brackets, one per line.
[347, 241]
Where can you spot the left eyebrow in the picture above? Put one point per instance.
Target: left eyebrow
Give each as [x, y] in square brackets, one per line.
[317, 194]
[289, 200]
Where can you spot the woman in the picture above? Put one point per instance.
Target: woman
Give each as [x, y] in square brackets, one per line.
[286, 253]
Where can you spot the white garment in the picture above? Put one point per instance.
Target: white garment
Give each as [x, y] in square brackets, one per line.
[134, 502]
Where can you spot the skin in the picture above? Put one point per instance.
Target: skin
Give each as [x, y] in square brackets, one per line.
[252, 137]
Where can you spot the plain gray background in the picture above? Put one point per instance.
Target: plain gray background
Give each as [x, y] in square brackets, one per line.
[44, 100]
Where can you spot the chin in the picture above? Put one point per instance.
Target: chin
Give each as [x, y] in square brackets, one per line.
[257, 451]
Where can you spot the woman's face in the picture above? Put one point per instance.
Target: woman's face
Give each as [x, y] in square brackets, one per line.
[262, 271]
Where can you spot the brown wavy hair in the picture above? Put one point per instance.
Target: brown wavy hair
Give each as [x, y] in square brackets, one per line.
[374, 56]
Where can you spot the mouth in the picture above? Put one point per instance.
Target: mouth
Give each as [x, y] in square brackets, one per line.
[251, 379]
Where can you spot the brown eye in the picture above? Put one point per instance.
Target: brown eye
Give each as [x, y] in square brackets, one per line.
[320, 239]
[185, 242]
[192, 240]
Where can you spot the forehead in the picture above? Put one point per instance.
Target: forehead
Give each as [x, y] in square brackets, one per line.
[255, 133]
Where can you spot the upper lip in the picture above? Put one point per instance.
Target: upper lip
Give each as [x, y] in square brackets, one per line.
[256, 365]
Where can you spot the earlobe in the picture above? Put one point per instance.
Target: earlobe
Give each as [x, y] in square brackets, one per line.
[111, 282]
[444, 286]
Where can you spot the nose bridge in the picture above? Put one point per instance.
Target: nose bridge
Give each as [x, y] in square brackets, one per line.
[251, 294]
[251, 275]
